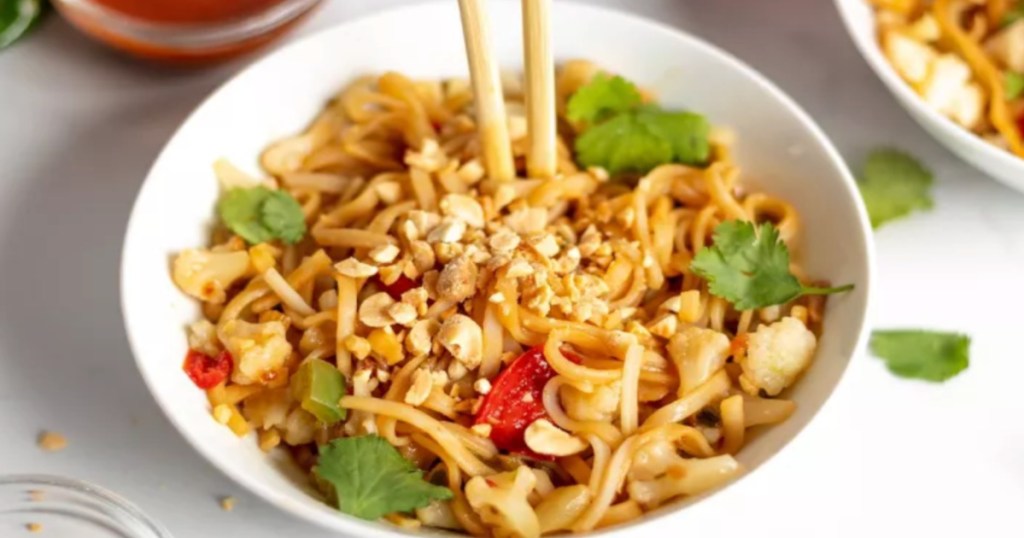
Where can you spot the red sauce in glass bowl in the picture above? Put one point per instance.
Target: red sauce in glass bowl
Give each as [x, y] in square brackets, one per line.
[187, 11]
[185, 31]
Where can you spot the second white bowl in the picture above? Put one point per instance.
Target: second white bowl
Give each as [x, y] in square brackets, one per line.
[859, 19]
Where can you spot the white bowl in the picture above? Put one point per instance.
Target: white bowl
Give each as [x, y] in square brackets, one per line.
[780, 148]
[1002, 165]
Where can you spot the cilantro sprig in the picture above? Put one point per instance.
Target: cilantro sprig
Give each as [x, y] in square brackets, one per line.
[893, 184]
[919, 354]
[370, 479]
[749, 267]
[624, 135]
[260, 214]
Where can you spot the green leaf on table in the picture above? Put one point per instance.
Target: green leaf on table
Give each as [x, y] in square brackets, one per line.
[17, 18]
[749, 267]
[918, 354]
[370, 479]
[893, 184]
[260, 214]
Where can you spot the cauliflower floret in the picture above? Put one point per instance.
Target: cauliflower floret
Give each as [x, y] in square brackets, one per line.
[908, 56]
[202, 336]
[1007, 46]
[698, 354]
[599, 405]
[948, 89]
[501, 501]
[688, 476]
[259, 349]
[206, 275]
[776, 355]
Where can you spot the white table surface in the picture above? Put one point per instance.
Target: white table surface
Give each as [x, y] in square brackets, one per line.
[79, 127]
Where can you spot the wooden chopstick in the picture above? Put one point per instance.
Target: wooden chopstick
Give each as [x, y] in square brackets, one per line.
[540, 88]
[490, 103]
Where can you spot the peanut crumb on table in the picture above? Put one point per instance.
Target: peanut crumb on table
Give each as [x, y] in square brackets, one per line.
[227, 503]
[35, 495]
[34, 527]
[52, 441]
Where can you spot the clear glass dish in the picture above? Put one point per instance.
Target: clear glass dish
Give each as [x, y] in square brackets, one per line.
[57, 507]
[165, 36]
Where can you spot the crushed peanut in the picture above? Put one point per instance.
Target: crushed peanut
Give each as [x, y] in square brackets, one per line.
[354, 268]
[227, 503]
[52, 441]
[374, 312]
[384, 254]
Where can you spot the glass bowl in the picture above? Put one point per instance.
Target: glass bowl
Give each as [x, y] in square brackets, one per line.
[58, 507]
[190, 32]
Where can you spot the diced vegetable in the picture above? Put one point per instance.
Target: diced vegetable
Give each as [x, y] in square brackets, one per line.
[516, 400]
[318, 385]
[206, 371]
[398, 287]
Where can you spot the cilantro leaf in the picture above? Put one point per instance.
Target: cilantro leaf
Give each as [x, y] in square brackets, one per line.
[602, 97]
[918, 354]
[893, 184]
[1013, 84]
[283, 216]
[639, 140]
[260, 214]
[370, 479]
[749, 267]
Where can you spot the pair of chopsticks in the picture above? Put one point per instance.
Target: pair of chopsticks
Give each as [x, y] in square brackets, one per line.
[490, 102]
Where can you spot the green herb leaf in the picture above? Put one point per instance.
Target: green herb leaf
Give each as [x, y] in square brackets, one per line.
[893, 184]
[749, 267]
[371, 479]
[639, 140]
[1014, 84]
[927, 355]
[17, 18]
[283, 216]
[601, 98]
[260, 214]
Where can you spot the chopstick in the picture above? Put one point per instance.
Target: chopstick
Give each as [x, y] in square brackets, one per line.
[490, 103]
[540, 88]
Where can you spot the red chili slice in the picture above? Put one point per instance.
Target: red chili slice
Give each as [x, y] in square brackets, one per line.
[206, 371]
[516, 400]
[398, 287]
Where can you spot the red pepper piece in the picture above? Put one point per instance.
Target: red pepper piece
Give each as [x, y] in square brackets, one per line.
[206, 371]
[1020, 123]
[515, 401]
[398, 287]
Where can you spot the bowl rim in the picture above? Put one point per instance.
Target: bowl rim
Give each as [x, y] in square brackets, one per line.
[341, 522]
[872, 54]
